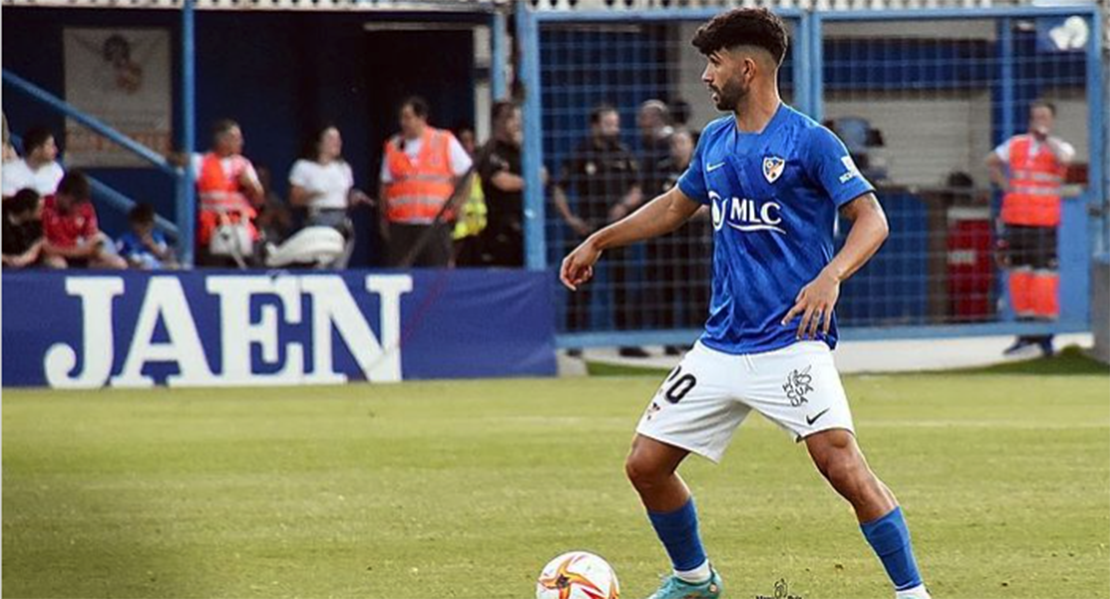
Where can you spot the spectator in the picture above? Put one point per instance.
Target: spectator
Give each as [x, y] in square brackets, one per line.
[229, 192]
[473, 216]
[275, 219]
[8, 150]
[680, 297]
[145, 247]
[654, 121]
[22, 232]
[1037, 163]
[467, 139]
[421, 171]
[38, 169]
[600, 170]
[70, 227]
[323, 182]
[499, 167]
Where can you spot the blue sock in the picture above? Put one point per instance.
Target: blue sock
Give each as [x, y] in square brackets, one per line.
[890, 539]
[679, 532]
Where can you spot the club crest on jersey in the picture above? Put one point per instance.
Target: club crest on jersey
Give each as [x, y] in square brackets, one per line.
[772, 168]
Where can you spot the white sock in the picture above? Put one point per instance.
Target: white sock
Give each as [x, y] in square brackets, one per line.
[917, 592]
[697, 575]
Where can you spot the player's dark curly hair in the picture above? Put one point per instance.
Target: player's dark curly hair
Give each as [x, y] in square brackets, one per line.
[757, 27]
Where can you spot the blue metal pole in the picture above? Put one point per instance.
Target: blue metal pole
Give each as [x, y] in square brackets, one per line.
[535, 244]
[802, 64]
[1006, 56]
[91, 122]
[186, 191]
[1098, 133]
[498, 56]
[817, 63]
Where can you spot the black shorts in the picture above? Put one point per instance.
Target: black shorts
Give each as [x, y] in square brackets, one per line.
[1032, 246]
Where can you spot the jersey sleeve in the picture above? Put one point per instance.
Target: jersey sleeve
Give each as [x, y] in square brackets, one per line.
[692, 182]
[831, 166]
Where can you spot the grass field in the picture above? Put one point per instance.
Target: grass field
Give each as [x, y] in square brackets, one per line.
[465, 489]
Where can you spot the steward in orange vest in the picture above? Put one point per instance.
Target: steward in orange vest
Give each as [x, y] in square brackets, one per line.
[420, 169]
[227, 187]
[1037, 163]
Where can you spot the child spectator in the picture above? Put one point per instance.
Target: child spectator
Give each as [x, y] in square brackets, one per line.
[144, 246]
[69, 225]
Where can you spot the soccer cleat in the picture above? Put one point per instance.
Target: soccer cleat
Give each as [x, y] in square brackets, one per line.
[918, 592]
[674, 587]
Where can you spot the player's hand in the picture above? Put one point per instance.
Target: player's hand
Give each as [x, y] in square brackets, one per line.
[815, 302]
[578, 266]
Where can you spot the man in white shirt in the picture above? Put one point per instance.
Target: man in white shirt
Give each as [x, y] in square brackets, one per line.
[38, 169]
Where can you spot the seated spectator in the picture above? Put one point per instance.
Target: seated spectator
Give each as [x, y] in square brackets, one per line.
[70, 227]
[38, 169]
[145, 247]
[322, 182]
[22, 232]
[228, 192]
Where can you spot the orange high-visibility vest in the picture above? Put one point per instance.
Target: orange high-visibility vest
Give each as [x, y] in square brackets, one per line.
[418, 191]
[219, 195]
[1035, 185]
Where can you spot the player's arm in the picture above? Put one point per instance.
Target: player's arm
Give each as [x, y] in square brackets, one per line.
[815, 302]
[658, 217]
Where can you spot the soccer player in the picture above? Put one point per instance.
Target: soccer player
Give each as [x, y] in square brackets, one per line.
[774, 180]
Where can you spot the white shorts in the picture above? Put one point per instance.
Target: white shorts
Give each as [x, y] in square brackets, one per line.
[708, 395]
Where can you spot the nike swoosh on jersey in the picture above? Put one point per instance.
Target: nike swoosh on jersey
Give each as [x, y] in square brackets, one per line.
[713, 167]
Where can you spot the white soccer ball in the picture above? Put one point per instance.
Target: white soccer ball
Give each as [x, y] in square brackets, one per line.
[578, 575]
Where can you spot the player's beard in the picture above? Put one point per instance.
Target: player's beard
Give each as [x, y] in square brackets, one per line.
[730, 95]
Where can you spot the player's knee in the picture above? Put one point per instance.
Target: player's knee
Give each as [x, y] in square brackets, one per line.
[642, 472]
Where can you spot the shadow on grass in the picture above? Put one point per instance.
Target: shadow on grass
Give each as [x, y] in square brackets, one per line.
[1070, 361]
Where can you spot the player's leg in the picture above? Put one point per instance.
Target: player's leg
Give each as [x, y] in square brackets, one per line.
[693, 412]
[799, 388]
[839, 459]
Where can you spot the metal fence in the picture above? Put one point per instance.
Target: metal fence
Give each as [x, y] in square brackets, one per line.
[920, 98]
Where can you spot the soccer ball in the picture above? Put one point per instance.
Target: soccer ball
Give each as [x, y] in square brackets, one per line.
[578, 575]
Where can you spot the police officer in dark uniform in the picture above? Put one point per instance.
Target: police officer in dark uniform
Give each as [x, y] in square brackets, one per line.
[604, 176]
[679, 262]
[499, 166]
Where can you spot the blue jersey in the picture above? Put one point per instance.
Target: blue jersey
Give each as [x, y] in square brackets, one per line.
[774, 196]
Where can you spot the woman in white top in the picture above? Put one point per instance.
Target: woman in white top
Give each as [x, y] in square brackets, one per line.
[322, 182]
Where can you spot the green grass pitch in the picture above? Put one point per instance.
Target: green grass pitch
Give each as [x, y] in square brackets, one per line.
[465, 489]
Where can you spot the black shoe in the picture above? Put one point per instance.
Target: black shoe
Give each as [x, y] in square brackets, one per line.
[1045, 343]
[574, 352]
[1018, 345]
[672, 350]
[633, 352]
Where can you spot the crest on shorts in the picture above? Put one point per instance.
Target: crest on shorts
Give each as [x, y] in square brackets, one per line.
[798, 384]
[772, 168]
